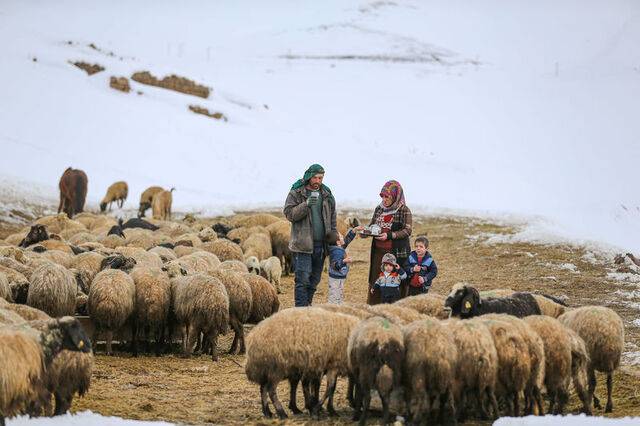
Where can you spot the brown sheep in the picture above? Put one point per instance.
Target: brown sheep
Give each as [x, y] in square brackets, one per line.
[224, 249]
[53, 290]
[259, 219]
[242, 233]
[280, 233]
[427, 304]
[258, 245]
[5, 289]
[117, 192]
[397, 314]
[73, 191]
[161, 205]
[146, 199]
[265, 299]
[152, 300]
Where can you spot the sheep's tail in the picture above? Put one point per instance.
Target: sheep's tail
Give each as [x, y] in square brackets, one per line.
[384, 380]
[555, 299]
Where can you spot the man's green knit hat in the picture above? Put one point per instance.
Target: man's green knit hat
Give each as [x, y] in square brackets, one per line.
[313, 170]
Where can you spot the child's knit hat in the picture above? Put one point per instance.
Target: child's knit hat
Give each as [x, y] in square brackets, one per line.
[389, 258]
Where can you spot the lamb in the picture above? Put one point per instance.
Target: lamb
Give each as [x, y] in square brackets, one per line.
[240, 302]
[376, 353]
[602, 330]
[30, 352]
[53, 290]
[265, 299]
[161, 204]
[280, 233]
[253, 264]
[37, 233]
[117, 192]
[514, 363]
[5, 289]
[535, 346]
[272, 270]
[465, 302]
[234, 265]
[147, 198]
[202, 306]
[73, 191]
[152, 300]
[224, 249]
[557, 355]
[427, 304]
[258, 245]
[111, 302]
[298, 343]
[477, 366]
[431, 358]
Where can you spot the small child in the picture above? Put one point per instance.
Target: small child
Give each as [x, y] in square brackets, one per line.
[338, 264]
[420, 267]
[389, 280]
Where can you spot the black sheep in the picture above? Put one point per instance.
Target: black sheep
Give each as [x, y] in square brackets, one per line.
[117, 229]
[139, 223]
[36, 234]
[118, 261]
[221, 229]
[465, 302]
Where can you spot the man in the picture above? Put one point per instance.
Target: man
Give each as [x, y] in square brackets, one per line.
[311, 209]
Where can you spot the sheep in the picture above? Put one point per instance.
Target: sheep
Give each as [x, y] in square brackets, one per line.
[53, 290]
[141, 238]
[347, 310]
[224, 249]
[90, 262]
[82, 237]
[465, 302]
[396, 314]
[265, 299]
[427, 304]
[152, 299]
[535, 346]
[59, 257]
[191, 239]
[73, 191]
[549, 305]
[134, 223]
[202, 306]
[30, 352]
[280, 233]
[101, 222]
[181, 251]
[376, 353]
[55, 224]
[193, 264]
[118, 261]
[272, 270]
[602, 330]
[298, 343]
[259, 219]
[234, 265]
[210, 258]
[258, 245]
[117, 192]
[221, 229]
[111, 302]
[141, 256]
[37, 233]
[243, 233]
[147, 198]
[579, 370]
[165, 254]
[557, 355]
[112, 241]
[18, 283]
[207, 234]
[161, 204]
[431, 357]
[5, 289]
[23, 268]
[253, 265]
[514, 363]
[240, 302]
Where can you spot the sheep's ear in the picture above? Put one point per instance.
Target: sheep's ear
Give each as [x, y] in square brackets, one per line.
[467, 303]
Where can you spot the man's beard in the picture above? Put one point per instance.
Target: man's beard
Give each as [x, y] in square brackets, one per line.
[315, 185]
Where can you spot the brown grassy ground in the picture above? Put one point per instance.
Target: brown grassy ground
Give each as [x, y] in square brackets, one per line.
[199, 391]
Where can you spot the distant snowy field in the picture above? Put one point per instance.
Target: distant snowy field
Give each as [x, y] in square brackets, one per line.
[526, 108]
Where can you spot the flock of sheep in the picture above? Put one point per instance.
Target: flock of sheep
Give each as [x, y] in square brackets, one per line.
[502, 346]
[470, 354]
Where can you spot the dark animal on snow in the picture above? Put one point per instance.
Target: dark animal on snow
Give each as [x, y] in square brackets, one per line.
[73, 191]
[465, 302]
[118, 261]
[36, 234]
[139, 223]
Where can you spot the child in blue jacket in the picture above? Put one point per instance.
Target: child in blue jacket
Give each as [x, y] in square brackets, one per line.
[420, 268]
[338, 264]
[388, 282]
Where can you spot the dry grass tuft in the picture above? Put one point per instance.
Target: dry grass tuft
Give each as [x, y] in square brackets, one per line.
[120, 83]
[89, 68]
[204, 111]
[172, 82]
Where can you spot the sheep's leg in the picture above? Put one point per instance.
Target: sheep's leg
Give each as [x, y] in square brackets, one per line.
[563, 398]
[516, 404]
[213, 338]
[366, 402]
[60, 207]
[494, 402]
[385, 409]
[609, 407]
[134, 338]
[592, 389]
[332, 378]
[264, 400]
[357, 401]
[539, 401]
[192, 336]
[293, 390]
[447, 414]
[552, 400]
[62, 404]
[109, 339]
[1, 416]
[243, 348]
[237, 329]
[307, 393]
[350, 391]
[462, 404]
[276, 402]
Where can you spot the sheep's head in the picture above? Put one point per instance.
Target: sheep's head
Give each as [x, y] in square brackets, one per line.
[174, 269]
[74, 337]
[253, 265]
[36, 234]
[116, 230]
[103, 207]
[463, 300]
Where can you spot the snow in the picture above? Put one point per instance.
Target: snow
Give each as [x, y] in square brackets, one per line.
[83, 418]
[490, 107]
[580, 420]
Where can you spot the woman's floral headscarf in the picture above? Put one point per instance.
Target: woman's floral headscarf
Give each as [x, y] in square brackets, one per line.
[392, 189]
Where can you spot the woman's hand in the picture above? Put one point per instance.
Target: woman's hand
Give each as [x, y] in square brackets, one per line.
[382, 237]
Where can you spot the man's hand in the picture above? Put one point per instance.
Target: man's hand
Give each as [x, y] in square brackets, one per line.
[416, 268]
[312, 201]
[382, 237]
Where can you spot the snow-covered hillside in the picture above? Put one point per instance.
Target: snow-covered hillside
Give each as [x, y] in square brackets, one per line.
[495, 106]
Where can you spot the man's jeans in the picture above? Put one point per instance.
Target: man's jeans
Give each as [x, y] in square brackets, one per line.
[308, 269]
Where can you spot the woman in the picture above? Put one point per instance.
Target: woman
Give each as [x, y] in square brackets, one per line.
[394, 218]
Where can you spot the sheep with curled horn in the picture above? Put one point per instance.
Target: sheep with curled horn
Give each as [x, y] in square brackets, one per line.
[465, 302]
